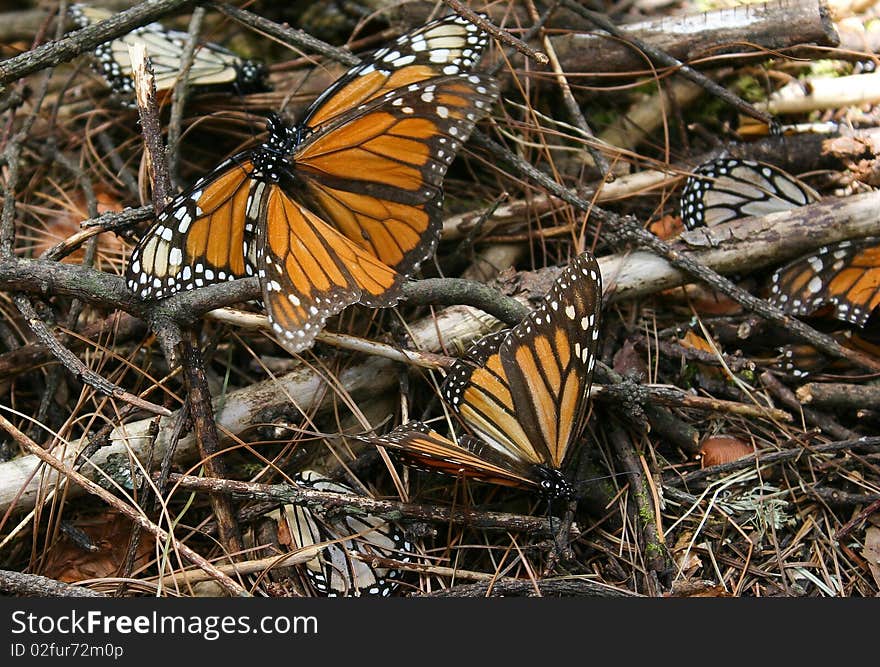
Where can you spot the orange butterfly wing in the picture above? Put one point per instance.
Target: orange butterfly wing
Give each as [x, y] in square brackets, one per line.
[200, 238]
[845, 276]
[377, 173]
[478, 388]
[446, 46]
[529, 398]
[308, 270]
[424, 448]
[549, 358]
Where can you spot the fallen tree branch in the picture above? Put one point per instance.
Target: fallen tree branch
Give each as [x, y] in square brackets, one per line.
[356, 504]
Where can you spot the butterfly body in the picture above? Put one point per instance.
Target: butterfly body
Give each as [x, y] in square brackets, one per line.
[342, 206]
[523, 392]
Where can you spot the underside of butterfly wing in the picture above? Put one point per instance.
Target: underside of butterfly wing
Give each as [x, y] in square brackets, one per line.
[549, 359]
[344, 567]
[426, 449]
[726, 189]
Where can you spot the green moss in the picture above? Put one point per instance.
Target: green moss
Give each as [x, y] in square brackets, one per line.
[645, 512]
[653, 549]
[750, 88]
[828, 68]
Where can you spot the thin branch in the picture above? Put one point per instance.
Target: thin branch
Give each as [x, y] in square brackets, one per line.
[148, 110]
[179, 95]
[34, 585]
[811, 416]
[296, 38]
[503, 36]
[76, 367]
[659, 57]
[868, 444]
[628, 229]
[198, 397]
[387, 509]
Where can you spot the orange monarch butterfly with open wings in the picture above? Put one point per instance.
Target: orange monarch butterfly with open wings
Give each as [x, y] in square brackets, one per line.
[340, 207]
[523, 391]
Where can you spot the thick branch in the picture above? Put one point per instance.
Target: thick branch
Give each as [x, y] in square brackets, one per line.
[746, 32]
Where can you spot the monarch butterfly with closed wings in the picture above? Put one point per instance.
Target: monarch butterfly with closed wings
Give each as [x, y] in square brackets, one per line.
[213, 66]
[726, 189]
[340, 207]
[335, 572]
[523, 391]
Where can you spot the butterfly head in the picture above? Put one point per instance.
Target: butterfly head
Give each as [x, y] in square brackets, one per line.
[553, 484]
[252, 77]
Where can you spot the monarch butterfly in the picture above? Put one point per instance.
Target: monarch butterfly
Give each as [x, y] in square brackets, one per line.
[844, 276]
[523, 391]
[334, 571]
[727, 188]
[213, 66]
[340, 207]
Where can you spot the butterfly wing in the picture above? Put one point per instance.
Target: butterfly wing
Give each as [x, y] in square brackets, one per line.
[726, 189]
[845, 276]
[549, 359]
[212, 64]
[478, 388]
[376, 172]
[335, 572]
[800, 360]
[525, 392]
[447, 46]
[423, 448]
[380, 139]
[202, 237]
[310, 271]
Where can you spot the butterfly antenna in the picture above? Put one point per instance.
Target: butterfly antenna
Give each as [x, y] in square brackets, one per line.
[579, 486]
